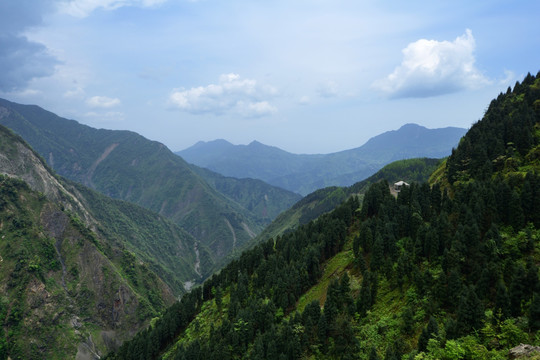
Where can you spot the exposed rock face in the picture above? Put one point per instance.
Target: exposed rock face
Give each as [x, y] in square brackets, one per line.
[87, 350]
[524, 351]
[23, 163]
[60, 278]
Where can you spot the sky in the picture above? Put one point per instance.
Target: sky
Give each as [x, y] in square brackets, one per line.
[314, 76]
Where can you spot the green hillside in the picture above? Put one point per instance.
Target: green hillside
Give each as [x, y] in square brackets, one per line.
[167, 249]
[448, 271]
[125, 165]
[174, 255]
[68, 289]
[265, 201]
[324, 200]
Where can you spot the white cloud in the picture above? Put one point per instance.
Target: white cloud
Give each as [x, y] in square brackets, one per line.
[232, 94]
[328, 89]
[102, 102]
[260, 108]
[109, 116]
[78, 92]
[431, 68]
[304, 100]
[83, 8]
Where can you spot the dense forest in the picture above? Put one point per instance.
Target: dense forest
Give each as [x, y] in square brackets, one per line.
[444, 270]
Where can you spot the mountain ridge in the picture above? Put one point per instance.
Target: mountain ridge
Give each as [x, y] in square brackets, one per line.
[70, 287]
[124, 165]
[304, 173]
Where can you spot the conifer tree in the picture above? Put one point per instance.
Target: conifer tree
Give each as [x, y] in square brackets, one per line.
[534, 313]
[364, 301]
[502, 300]
[377, 256]
[470, 313]
[407, 317]
[517, 291]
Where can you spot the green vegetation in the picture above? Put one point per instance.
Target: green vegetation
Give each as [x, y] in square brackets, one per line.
[78, 268]
[263, 200]
[325, 200]
[58, 286]
[441, 271]
[162, 246]
[126, 166]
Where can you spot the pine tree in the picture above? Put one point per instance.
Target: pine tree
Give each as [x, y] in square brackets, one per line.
[407, 317]
[322, 328]
[377, 256]
[517, 291]
[470, 312]
[366, 237]
[502, 300]
[218, 297]
[361, 263]
[534, 313]
[364, 301]
[429, 332]
[423, 340]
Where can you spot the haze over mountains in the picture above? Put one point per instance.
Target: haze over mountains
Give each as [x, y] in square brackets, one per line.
[81, 272]
[125, 165]
[443, 269]
[304, 174]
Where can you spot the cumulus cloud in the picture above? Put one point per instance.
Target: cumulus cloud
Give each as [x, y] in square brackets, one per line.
[231, 94]
[432, 68]
[83, 8]
[102, 102]
[22, 60]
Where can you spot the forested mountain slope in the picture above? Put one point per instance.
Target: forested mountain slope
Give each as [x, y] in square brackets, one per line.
[265, 201]
[304, 174]
[125, 165]
[79, 272]
[324, 200]
[442, 271]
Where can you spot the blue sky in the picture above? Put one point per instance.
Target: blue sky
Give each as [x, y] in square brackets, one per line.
[314, 76]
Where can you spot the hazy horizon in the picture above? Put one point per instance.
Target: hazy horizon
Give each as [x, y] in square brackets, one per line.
[307, 77]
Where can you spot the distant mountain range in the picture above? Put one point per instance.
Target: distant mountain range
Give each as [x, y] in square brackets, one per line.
[127, 166]
[304, 174]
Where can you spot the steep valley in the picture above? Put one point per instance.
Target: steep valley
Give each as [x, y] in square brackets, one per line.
[126, 166]
[79, 272]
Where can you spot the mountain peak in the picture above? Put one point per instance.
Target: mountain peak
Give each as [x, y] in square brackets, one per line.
[410, 126]
[255, 143]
